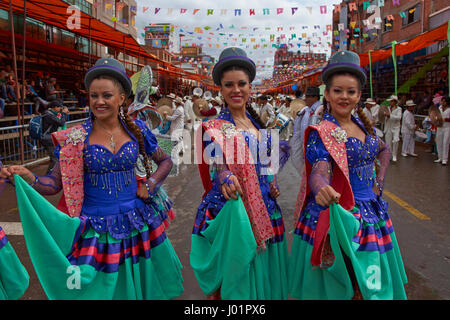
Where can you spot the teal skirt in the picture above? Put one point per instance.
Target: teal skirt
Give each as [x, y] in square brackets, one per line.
[14, 277]
[73, 261]
[226, 257]
[380, 276]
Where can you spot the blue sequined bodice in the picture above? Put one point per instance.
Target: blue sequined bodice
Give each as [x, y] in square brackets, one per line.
[109, 179]
[361, 157]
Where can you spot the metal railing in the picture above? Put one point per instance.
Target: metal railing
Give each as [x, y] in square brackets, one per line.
[32, 149]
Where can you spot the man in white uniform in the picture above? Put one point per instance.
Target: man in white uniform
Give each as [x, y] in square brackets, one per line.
[369, 104]
[267, 107]
[408, 129]
[285, 110]
[392, 126]
[443, 133]
[189, 114]
[177, 125]
[310, 115]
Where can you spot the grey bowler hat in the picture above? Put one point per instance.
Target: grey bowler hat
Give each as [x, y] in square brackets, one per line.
[109, 67]
[343, 61]
[233, 57]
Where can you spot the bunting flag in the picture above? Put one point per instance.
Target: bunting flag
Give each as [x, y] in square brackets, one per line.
[319, 8]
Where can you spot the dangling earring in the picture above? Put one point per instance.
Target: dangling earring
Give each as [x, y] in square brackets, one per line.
[121, 113]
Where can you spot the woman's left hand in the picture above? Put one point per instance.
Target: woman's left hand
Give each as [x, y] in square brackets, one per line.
[274, 191]
[142, 190]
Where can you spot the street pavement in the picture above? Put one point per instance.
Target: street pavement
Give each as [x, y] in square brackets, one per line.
[416, 189]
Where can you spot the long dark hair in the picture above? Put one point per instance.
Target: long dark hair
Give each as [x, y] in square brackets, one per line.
[248, 107]
[362, 116]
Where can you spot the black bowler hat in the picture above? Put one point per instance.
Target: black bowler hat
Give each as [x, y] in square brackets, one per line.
[109, 67]
[313, 91]
[344, 61]
[233, 57]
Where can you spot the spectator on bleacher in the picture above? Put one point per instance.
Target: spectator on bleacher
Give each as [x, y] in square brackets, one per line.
[53, 118]
[81, 94]
[40, 84]
[32, 96]
[7, 84]
[59, 93]
[2, 108]
[50, 90]
[425, 103]
[443, 82]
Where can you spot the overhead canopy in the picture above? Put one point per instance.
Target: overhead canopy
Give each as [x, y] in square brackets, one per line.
[55, 13]
[421, 41]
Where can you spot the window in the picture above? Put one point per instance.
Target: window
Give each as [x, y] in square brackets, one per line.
[84, 5]
[388, 25]
[411, 15]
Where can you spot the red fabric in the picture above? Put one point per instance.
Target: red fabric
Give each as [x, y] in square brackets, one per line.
[245, 173]
[203, 167]
[340, 183]
[62, 206]
[209, 113]
[320, 236]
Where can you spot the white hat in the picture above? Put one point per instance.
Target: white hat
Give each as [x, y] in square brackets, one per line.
[392, 98]
[171, 96]
[197, 92]
[178, 100]
[370, 101]
[410, 103]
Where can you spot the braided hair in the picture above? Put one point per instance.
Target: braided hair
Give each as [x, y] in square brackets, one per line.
[131, 126]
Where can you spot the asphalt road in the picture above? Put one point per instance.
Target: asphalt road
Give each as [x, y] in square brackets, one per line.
[417, 191]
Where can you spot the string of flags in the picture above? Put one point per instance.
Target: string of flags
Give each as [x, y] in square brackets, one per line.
[320, 8]
[358, 30]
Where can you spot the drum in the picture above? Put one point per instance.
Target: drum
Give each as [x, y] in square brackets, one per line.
[381, 116]
[200, 104]
[378, 132]
[296, 106]
[265, 118]
[281, 122]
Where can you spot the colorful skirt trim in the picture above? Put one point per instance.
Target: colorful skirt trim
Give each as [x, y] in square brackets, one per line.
[74, 261]
[371, 249]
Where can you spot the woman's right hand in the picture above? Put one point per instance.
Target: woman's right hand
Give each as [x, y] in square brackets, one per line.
[230, 187]
[9, 172]
[326, 196]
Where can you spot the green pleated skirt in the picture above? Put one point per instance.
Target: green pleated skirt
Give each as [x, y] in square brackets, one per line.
[226, 258]
[14, 278]
[380, 276]
[50, 236]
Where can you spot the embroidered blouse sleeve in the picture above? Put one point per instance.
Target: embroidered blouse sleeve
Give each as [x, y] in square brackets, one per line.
[320, 159]
[219, 170]
[50, 184]
[150, 142]
[384, 156]
[158, 155]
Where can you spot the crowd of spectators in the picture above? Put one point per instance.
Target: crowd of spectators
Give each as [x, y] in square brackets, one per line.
[40, 89]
